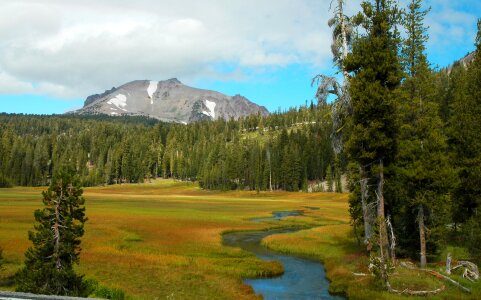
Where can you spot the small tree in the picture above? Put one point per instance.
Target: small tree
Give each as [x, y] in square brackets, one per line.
[56, 241]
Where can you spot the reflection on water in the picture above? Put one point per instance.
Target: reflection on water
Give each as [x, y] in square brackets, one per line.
[302, 278]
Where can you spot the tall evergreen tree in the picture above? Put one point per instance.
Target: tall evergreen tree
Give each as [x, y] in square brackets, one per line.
[422, 163]
[56, 241]
[465, 132]
[376, 73]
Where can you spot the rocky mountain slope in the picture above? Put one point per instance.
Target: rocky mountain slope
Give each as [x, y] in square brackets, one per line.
[169, 101]
[465, 61]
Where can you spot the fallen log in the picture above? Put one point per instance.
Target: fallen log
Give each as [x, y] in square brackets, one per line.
[415, 293]
[437, 275]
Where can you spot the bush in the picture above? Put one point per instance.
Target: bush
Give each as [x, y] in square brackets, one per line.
[471, 231]
[98, 290]
[5, 182]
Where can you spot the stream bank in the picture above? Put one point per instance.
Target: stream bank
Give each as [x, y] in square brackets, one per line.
[302, 278]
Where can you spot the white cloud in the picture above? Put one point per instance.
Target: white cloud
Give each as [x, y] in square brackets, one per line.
[71, 49]
[74, 48]
[11, 85]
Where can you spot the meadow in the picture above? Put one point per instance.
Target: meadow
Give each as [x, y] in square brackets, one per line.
[163, 240]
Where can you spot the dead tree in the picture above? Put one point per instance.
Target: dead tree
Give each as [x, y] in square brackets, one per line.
[383, 238]
[448, 264]
[57, 223]
[422, 236]
[341, 39]
[471, 271]
[268, 154]
[365, 209]
[392, 240]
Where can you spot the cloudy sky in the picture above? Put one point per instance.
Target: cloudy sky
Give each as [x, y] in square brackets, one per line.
[54, 53]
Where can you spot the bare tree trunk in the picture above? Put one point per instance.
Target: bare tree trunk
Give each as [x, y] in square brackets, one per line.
[270, 168]
[383, 242]
[344, 39]
[422, 236]
[56, 231]
[448, 264]
[392, 238]
[365, 211]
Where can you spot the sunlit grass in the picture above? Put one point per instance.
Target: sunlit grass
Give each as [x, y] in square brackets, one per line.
[163, 239]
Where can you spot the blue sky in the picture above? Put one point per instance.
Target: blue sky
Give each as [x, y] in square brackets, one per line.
[265, 50]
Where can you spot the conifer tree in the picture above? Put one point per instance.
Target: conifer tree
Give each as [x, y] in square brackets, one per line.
[56, 241]
[376, 73]
[422, 163]
[465, 131]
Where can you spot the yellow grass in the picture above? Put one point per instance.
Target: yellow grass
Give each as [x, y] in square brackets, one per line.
[163, 239]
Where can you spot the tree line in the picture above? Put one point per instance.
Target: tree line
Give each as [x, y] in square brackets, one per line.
[285, 150]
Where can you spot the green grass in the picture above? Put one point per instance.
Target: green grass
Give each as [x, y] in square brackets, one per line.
[336, 247]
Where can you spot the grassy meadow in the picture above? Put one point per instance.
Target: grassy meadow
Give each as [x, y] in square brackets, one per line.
[163, 240]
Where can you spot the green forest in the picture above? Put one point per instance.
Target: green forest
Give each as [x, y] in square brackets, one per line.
[282, 151]
[405, 133]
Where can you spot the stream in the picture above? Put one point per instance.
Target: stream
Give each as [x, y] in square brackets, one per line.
[302, 278]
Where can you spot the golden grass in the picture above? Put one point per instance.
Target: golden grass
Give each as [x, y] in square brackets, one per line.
[163, 239]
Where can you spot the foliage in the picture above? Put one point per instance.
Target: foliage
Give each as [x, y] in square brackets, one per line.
[372, 143]
[222, 154]
[425, 175]
[4, 182]
[471, 232]
[464, 134]
[56, 241]
[98, 290]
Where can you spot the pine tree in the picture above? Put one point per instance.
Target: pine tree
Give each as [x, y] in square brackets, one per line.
[465, 131]
[56, 241]
[376, 73]
[422, 163]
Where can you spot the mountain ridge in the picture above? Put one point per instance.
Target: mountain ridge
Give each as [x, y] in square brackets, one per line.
[170, 101]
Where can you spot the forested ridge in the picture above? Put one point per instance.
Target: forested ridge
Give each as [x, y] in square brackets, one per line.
[281, 151]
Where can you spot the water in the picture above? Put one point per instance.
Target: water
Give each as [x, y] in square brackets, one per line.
[302, 278]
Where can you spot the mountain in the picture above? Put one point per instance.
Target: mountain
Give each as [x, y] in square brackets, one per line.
[169, 101]
[465, 61]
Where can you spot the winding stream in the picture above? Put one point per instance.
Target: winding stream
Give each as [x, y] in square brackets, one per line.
[302, 278]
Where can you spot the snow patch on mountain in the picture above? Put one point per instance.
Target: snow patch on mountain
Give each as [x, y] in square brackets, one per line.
[211, 106]
[152, 89]
[170, 101]
[120, 101]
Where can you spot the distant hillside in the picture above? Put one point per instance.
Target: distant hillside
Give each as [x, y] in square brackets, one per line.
[465, 61]
[169, 101]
